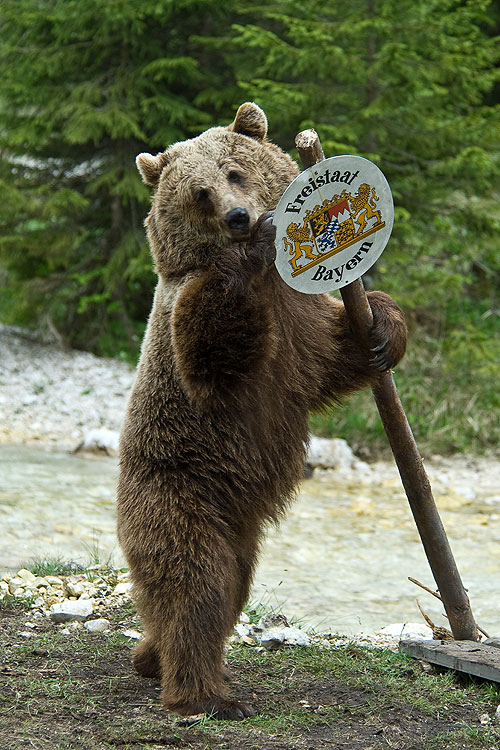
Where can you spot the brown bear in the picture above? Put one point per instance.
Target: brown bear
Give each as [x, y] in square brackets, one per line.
[213, 444]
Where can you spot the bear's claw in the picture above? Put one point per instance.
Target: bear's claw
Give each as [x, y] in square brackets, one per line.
[383, 357]
[264, 234]
[220, 709]
[380, 358]
[388, 334]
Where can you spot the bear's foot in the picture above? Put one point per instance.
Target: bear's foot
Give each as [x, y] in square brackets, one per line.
[145, 659]
[213, 708]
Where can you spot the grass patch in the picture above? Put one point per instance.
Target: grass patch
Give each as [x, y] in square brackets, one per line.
[54, 566]
[77, 691]
[463, 738]
[448, 388]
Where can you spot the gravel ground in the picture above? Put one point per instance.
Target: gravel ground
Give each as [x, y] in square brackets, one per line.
[53, 397]
[81, 600]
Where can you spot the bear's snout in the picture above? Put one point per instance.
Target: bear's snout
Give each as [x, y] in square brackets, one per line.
[238, 219]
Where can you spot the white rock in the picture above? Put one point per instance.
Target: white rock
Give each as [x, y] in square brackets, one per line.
[273, 620]
[496, 717]
[15, 584]
[67, 610]
[242, 629]
[404, 630]
[332, 453]
[275, 637]
[296, 637]
[39, 582]
[89, 593]
[97, 626]
[35, 583]
[54, 580]
[272, 639]
[122, 588]
[4, 589]
[75, 589]
[100, 440]
[26, 575]
[132, 634]
[244, 618]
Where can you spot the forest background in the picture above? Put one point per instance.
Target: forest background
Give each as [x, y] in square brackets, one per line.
[411, 84]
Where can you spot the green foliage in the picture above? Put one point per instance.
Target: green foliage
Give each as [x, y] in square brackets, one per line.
[53, 566]
[402, 83]
[413, 86]
[83, 89]
[448, 388]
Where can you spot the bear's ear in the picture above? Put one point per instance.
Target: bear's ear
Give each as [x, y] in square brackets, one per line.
[250, 120]
[151, 167]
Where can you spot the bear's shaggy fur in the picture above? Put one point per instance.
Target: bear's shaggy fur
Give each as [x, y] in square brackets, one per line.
[233, 360]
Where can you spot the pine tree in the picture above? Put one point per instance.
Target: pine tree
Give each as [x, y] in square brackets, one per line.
[84, 87]
[404, 83]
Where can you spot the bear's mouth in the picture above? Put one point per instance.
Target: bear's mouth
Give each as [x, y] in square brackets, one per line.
[239, 236]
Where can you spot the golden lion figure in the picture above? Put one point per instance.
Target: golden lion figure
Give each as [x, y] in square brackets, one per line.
[301, 244]
[363, 207]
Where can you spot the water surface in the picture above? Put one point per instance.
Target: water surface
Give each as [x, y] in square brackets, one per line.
[340, 561]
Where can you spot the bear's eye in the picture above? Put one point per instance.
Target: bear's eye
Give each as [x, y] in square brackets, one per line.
[235, 177]
[202, 196]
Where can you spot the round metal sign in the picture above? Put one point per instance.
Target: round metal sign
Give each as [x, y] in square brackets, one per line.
[333, 222]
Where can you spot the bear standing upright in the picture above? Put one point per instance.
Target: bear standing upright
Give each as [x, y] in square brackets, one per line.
[213, 444]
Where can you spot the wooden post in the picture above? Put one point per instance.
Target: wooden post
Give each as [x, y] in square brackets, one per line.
[404, 448]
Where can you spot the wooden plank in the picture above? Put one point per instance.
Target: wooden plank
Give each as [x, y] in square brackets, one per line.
[495, 642]
[478, 659]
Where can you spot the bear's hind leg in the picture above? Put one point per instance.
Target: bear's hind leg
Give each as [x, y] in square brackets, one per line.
[189, 613]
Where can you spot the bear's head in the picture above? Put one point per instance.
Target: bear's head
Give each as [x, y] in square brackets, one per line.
[210, 190]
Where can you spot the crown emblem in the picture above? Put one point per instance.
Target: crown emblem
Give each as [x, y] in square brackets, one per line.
[332, 226]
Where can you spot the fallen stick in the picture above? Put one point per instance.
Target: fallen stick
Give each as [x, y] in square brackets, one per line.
[426, 588]
[438, 633]
[404, 448]
[438, 596]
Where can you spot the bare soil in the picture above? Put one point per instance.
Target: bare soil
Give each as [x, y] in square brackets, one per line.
[78, 692]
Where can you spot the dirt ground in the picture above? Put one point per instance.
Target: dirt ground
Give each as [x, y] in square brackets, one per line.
[77, 691]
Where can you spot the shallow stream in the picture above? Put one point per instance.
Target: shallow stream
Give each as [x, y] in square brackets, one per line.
[340, 561]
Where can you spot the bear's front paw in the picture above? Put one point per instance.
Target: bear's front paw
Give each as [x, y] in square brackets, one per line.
[381, 356]
[261, 243]
[388, 334]
[249, 259]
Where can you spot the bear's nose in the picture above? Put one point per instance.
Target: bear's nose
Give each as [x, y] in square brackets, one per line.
[238, 219]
